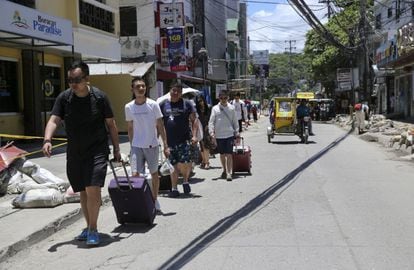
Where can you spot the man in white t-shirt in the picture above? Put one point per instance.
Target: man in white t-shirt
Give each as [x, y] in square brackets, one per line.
[144, 119]
[241, 111]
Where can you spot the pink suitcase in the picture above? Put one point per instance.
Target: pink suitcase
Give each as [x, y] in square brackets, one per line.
[242, 161]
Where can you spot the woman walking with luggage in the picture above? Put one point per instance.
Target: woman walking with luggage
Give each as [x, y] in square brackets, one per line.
[223, 127]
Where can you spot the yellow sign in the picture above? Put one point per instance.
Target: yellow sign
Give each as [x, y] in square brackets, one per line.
[305, 95]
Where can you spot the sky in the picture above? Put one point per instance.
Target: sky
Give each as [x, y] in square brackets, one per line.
[279, 23]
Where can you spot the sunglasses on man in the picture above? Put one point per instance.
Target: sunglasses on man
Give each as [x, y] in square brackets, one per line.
[76, 80]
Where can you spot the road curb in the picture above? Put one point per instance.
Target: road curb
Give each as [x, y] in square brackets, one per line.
[50, 229]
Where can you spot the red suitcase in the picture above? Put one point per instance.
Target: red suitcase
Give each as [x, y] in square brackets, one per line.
[131, 198]
[242, 155]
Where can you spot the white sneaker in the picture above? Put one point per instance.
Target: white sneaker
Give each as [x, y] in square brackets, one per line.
[157, 206]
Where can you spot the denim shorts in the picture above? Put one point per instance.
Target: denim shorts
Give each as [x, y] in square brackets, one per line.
[225, 146]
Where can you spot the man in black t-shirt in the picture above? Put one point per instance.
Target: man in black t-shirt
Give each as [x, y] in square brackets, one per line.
[87, 113]
[178, 113]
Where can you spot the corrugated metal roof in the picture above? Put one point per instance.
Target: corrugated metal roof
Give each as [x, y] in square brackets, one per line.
[134, 69]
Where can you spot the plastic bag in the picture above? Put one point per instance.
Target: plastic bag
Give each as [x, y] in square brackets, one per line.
[166, 168]
[200, 134]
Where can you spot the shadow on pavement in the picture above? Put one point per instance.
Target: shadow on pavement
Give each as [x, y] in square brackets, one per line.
[106, 240]
[200, 243]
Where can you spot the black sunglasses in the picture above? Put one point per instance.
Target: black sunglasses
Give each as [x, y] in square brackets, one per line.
[75, 79]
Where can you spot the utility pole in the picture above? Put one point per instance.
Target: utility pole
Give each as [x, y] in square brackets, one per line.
[365, 59]
[290, 48]
[328, 6]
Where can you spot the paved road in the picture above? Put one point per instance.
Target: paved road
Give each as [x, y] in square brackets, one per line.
[336, 203]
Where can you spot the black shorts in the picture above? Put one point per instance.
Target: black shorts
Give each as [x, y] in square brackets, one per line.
[225, 146]
[85, 172]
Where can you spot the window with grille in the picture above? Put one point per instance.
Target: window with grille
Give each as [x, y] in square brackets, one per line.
[128, 18]
[389, 12]
[9, 97]
[96, 17]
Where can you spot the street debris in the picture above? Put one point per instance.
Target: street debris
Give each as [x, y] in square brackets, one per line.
[399, 133]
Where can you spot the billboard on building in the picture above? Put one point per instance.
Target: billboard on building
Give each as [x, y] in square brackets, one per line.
[171, 15]
[176, 49]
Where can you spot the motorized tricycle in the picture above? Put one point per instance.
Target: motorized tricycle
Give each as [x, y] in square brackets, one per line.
[283, 120]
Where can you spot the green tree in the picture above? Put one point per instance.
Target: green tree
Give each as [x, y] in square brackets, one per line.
[324, 57]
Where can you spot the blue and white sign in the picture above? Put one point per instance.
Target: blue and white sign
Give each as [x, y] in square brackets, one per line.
[20, 20]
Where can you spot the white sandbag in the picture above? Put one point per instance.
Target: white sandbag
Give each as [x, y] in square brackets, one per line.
[38, 198]
[29, 168]
[26, 186]
[44, 176]
[16, 181]
[71, 196]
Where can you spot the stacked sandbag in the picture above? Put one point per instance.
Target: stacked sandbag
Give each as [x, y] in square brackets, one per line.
[38, 187]
[35, 198]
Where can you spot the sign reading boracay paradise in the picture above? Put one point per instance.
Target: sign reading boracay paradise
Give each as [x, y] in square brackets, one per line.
[21, 20]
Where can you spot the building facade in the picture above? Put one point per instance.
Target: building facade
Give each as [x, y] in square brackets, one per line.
[39, 40]
[394, 57]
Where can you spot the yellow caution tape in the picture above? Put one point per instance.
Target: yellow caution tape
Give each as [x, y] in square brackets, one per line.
[28, 137]
[5, 161]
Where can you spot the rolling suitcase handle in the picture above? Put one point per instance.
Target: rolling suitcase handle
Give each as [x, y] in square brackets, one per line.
[116, 177]
[240, 151]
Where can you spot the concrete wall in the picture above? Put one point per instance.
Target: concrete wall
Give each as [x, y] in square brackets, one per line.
[118, 90]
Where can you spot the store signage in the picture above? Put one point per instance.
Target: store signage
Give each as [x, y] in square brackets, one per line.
[176, 49]
[167, 13]
[386, 52]
[344, 78]
[261, 57]
[405, 39]
[21, 20]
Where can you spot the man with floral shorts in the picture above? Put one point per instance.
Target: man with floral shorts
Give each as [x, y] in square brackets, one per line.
[178, 113]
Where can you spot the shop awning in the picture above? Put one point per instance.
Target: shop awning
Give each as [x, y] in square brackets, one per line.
[168, 75]
[133, 69]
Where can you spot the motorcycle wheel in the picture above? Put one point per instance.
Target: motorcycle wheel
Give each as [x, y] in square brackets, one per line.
[306, 136]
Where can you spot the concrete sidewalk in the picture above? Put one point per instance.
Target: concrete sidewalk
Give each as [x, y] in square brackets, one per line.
[21, 228]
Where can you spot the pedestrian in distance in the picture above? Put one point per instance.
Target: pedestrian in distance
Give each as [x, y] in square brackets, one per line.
[87, 113]
[204, 112]
[223, 127]
[144, 120]
[241, 111]
[178, 113]
[360, 116]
